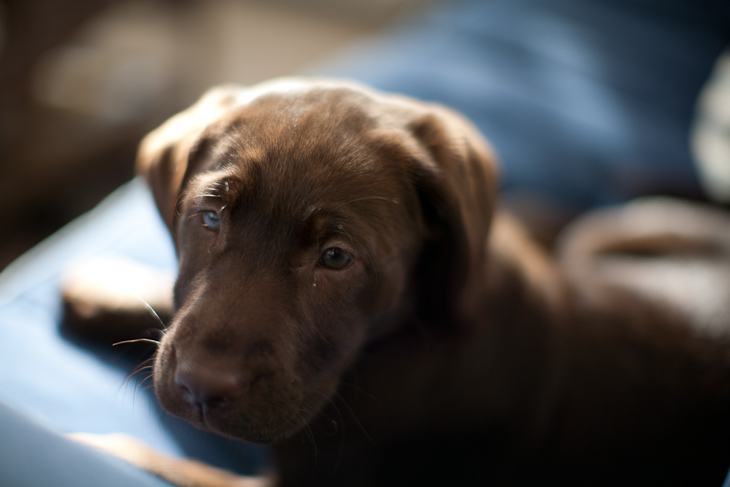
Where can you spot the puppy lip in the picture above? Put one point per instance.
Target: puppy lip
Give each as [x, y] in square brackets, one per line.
[236, 418]
[215, 422]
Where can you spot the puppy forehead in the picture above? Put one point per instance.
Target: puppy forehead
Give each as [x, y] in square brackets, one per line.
[273, 202]
[301, 151]
[289, 87]
[307, 186]
[318, 146]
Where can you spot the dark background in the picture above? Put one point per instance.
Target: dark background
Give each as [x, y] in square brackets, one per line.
[81, 81]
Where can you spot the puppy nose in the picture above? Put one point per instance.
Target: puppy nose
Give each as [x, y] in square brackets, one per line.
[206, 385]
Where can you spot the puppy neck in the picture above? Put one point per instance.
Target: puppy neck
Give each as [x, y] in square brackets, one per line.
[519, 270]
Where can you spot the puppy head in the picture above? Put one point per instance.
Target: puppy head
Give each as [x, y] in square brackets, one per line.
[310, 218]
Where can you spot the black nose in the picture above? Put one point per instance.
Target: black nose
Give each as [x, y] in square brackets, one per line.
[206, 384]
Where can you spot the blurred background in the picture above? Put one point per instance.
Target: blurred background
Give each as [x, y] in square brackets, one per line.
[81, 81]
[608, 117]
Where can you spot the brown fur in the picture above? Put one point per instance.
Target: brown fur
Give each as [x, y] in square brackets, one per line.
[452, 350]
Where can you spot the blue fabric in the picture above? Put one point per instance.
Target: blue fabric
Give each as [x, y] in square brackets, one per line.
[587, 102]
[35, 455]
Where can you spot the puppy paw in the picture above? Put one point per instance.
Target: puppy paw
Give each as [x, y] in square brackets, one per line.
[115, 299]
[119, 445]
[184, 473]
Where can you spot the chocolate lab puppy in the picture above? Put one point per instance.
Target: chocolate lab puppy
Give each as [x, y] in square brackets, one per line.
[349, 293]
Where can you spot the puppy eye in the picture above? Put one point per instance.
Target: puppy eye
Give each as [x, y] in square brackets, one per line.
[211, 220]
[335, 259]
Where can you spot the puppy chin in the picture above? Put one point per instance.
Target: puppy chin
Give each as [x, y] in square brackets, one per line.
[237, 420]
[245, 429]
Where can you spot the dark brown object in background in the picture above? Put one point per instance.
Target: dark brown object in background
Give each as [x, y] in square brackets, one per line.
[54, 164]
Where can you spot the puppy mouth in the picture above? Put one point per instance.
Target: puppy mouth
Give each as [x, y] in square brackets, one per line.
[264, 410]
[239, 422]
[245, 428]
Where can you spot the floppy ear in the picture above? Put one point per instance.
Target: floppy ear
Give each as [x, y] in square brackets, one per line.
[457, 187]
[167, 155]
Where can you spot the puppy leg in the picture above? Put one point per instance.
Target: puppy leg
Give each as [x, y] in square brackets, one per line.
[112, 300]
[185, 473]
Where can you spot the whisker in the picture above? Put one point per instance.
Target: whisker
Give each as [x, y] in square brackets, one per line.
[382, 198]
[354, 416]
[162, 333]
[152, 311]
[136, 340]
[146, 365]
[360, 389]
[310, 435]
[141, 383]
[307, 430]
[338, 425]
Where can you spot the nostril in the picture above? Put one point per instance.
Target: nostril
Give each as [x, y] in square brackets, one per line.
[185, 392]
[203, 386]
[215, 402]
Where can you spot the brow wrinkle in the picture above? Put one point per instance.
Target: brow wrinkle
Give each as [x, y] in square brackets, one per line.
[314, 208]
[221, 188]
[382, 198]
